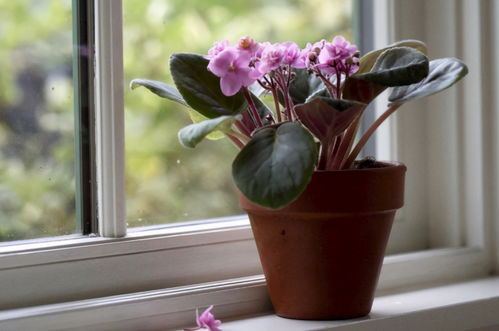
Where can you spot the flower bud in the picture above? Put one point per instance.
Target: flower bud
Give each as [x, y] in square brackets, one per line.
[312, 56]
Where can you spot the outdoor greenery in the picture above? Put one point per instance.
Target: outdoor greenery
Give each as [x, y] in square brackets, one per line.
[160, 172]
[37, 191]
[37, 194]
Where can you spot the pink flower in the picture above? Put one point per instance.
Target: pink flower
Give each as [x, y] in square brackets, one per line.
[271, 58]
[261, 48]
[292, 55]
[233, 69]
[338, 55]
[247, 44]
[207, 320]
[218, 46]
[312, 51]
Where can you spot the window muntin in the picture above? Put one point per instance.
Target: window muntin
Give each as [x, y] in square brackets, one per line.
[166, 182]
[37, 171]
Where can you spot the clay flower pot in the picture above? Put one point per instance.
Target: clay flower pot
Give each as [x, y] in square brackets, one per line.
[322, 254]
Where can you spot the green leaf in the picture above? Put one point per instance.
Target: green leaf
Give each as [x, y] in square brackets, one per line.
[322, 92]
[443, 74]
[194, 133]
[197, 117]
[361, 90]
[159, 88]
[326, 118]
[274, 168]
[397, 66]
[303, 86]
[367, 61]
[200, 88]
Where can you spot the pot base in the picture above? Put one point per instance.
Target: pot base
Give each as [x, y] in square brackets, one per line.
[322, 267]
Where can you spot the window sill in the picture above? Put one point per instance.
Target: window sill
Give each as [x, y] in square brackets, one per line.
[472, 305]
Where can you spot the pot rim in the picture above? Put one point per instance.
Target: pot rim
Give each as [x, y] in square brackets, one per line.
[386, 166]
[344, 191]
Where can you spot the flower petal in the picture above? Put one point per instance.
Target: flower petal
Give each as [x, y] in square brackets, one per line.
[230, 84]
[221, 63]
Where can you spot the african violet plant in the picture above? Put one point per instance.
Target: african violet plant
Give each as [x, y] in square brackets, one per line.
[319, 96]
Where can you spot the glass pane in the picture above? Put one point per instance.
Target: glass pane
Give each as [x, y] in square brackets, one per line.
[37, 194]
[165, 181]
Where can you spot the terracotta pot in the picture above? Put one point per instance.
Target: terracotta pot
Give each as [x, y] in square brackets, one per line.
[323, 253]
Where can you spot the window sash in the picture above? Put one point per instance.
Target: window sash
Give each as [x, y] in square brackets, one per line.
[110, 118]
[83, 107]
[175, 256]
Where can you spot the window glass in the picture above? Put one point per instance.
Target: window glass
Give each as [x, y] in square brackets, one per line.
[37, 195]
[165, 181]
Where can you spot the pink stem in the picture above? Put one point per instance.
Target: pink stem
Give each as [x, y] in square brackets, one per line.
[252, 106]
[346, 143]
[236, 141]
[330, 87]
[323, 156]
[338, 83]
[363, 140]
[284, 90]
[276, 104]
[244, 130]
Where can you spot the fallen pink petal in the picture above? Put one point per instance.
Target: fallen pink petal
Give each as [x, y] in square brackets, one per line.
[207, 320]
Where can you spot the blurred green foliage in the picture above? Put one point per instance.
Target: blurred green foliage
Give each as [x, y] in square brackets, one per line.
[165, 182]
[169, 183]
[37, 194]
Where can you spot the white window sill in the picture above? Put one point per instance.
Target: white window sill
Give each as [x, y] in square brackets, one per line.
[470, 305]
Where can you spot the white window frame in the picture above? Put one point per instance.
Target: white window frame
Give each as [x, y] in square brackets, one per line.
[166, 272]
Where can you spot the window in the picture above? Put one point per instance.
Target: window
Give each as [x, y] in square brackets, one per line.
[37, 129]
[165, 182]
[181, 265]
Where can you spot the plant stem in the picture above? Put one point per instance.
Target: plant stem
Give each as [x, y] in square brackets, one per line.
[363, 140]
[291, 107]
[346, 143]
[338, 83]
[323, 155]
[282, 85]
[330, 87]
[276, 104]
[236, 141]
[244, 130]
[252, 106]
[241, 137]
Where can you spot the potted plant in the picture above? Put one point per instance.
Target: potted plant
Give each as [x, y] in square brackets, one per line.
[321, 219]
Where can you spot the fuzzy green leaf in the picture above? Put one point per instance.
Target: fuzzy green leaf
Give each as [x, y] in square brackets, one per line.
[194, 133]
[200, 88]
[274, 168]
[159, 88]
[326, 118]
[443, 74]
[367, 61]
[397, 66]
[303, 85]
